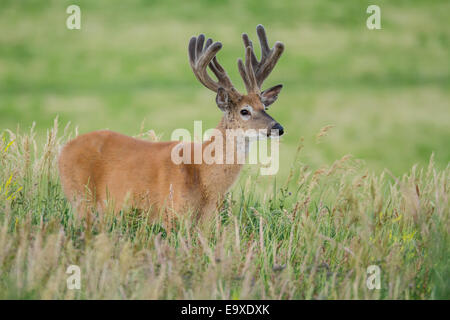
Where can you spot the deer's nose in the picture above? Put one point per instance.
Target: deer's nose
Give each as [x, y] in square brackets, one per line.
[278, 127]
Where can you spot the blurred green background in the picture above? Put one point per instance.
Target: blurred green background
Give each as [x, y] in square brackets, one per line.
[385, 91]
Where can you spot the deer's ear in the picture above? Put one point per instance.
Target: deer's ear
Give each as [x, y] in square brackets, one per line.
[270, 95]
[222, 99]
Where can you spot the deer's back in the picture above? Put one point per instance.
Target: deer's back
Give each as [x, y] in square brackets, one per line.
[114, 165]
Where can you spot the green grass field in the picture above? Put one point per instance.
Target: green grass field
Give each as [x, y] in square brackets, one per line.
[308, 233]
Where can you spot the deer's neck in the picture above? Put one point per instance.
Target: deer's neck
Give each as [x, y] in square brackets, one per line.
[219, 176]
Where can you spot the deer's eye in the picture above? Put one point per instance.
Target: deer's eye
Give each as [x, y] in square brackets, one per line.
[245, 112]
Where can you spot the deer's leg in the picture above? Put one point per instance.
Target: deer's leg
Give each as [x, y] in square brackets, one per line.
[84, 209]
[209, 209]
[168, 220]
[83, 200]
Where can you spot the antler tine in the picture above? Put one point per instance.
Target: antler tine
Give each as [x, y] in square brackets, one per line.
[247, 72]
[265, 49]
[208, 43]
[221, 74]
[200, 57]
[243, 73]
[248, 43]
[199, 46]
[269, 57]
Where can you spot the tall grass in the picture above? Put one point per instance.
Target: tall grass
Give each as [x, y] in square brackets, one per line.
[311, 237]
[386, 91]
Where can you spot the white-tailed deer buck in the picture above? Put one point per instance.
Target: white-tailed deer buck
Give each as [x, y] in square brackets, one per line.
[105, 165]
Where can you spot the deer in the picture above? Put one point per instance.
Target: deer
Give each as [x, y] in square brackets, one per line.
[104, 167]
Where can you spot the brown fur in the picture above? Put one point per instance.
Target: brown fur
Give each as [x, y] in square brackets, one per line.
[105, 167]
